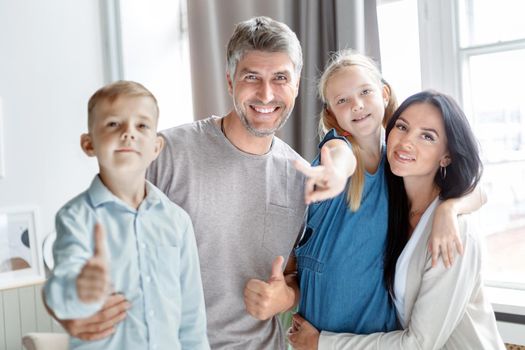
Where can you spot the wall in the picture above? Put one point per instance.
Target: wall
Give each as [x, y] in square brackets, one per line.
[22, 311]
[51, 61]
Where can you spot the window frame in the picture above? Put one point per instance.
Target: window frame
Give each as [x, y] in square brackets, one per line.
[444, 67]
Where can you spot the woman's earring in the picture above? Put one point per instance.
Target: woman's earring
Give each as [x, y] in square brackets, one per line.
[443, 171]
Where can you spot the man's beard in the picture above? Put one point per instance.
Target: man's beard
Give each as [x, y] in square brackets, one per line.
[262, 132]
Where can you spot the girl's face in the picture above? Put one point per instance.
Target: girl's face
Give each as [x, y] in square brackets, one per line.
[417, 144]
[357, 101]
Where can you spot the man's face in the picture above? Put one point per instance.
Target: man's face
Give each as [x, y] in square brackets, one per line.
[264, 89]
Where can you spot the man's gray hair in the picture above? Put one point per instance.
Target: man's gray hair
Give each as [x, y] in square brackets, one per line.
[263, 34]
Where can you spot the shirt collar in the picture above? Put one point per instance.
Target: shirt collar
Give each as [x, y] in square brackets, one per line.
[153, 196]
[100, 194]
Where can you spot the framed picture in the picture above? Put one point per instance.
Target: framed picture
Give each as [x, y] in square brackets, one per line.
[21, 261]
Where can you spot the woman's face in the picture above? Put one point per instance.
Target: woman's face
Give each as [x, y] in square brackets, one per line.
[417, 144]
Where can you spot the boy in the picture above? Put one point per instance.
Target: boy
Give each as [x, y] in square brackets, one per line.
[149, 253]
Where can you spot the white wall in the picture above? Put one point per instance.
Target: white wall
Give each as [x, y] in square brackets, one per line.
[51, 61]
[50, 64]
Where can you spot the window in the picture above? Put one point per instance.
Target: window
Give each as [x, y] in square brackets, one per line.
[492, 53]
[473, 50]
[400, 58]
[151, 47]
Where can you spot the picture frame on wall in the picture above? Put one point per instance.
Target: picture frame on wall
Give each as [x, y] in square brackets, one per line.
[21, 261]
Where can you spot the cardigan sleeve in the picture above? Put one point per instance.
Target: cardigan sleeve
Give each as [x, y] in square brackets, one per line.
[439, 306]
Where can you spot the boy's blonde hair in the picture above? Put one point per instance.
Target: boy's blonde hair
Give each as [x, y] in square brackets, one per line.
[340, 60]
[113, 91]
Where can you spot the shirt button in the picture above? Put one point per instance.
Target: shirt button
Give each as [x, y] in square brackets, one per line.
[154, 346]
[148, 279]
[151, 313]
[143, 245]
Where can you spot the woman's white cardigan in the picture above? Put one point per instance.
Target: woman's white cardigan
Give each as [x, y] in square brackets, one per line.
[444, 308]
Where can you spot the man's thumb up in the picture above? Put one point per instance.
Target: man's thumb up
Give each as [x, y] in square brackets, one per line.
[277, 270]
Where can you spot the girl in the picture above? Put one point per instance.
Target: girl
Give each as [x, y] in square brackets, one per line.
[432, 156]
[340, 257]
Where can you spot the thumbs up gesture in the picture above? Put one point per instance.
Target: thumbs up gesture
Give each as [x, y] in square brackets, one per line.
[93, 282]
[266, 299]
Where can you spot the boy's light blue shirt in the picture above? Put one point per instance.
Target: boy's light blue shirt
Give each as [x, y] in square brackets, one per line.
[153, 261]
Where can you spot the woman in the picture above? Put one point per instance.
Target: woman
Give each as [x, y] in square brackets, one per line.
[432, 156]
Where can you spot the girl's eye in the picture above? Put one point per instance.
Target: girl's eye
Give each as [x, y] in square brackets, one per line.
[367, 92]
[112, 124]
[341, 100]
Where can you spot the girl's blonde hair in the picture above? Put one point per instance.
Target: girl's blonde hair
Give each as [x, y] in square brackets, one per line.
[340, 60]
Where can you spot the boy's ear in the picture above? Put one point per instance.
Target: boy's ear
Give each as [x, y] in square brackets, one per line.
[86, 143]
[159, 145]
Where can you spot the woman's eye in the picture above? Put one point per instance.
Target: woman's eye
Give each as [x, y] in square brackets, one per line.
[401, 127]
[428, 137]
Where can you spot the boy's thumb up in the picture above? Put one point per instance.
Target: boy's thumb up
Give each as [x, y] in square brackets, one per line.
[100, 242]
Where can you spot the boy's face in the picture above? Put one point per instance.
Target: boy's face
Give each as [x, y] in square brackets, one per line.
[123, 136]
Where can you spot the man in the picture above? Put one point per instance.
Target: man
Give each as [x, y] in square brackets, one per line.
[236, 180]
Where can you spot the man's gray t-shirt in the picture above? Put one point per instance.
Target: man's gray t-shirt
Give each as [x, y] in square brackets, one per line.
[246, 209]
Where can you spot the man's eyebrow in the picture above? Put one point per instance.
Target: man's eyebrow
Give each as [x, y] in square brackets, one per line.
[248, 71]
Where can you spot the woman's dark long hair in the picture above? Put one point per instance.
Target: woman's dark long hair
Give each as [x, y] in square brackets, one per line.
[462, 174]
